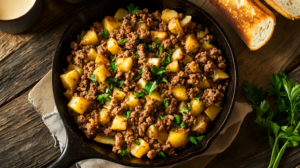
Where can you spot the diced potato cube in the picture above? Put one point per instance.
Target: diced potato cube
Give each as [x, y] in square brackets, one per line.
[182, 105]
[92, 54]
[131, 100]
[72, 67]
[157, 36]
[152, 132]
[70, 79]
[187, 59]
[113, 47]
[180, 92]
[162, 137]
[186, 20]
[168, 14]
[196, 107]
[108, 104]
[212, 111]
[140, 150]
[174, 26]
[105, 139]
[141, 83]
[194, 67]
[191, 43]
[153, 61]
[119, 123]
[201, 125]
[78, 104]
[90, 38]
[156, 96]
[200, 34]
[102, 60]
[118, 94]
[205, 84]
[206, 45]
[101, 73]
[219, 74]
[104, 116]
[178, 54]
[178, 138]
[173, 67]
[69, 94]
[110, 23]
[141, 25]
[125, 64]
[120, 14]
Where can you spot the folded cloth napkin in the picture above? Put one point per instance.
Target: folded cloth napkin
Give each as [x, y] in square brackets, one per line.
[222, 141]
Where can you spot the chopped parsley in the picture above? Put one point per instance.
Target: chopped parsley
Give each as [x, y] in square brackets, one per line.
[111, 82]
[197, 98]
[119, 88]
[123, 151]
[164, 80]
[140, 23]
[114, 66]
[86, 93]
[183, 68]
[138, 94]
[207, 42]
[160, 117]
[121, 82]
[166, 103]
[93, 77]
[111, 58]
[162, 154]
[96, 47]
[104, 34]
[149, 46]
[137, 77]
[103, 97]
[139, 41]
[150, 87]
[122, 41]
[135, 55]
[127, 113]
[155, 38]
[132, 9]
[194, 139]
[177, 120]
[163, 91]
[142, 70]
[184, 111]
[71, 111]
[157, 53]
[137, 142]
[170, 51]
[157, 71]
[182, 124]
[151, 102]
[122, 19]
[189, 106]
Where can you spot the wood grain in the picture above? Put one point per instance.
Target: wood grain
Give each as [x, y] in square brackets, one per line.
[25, 140]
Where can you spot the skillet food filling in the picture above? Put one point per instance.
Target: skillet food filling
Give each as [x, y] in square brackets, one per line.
[145, 83]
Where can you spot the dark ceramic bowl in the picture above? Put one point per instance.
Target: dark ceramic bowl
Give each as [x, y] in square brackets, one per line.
[24, 22]
[78, 147]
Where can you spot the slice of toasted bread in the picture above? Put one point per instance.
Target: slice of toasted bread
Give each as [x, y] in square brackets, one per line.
[288, 8]
[253, 21]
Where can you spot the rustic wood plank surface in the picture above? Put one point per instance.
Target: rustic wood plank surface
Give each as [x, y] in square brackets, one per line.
[26, 58]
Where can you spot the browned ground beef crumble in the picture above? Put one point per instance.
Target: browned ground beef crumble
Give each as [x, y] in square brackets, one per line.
[141, 118]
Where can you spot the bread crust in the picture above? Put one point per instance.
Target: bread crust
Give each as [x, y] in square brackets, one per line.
[279, 9]
[244, 18]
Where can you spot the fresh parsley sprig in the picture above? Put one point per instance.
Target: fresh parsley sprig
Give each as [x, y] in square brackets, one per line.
[149, 87]
[132, 9]
[104, 33]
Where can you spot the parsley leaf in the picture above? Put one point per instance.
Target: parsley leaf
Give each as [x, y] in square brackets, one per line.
[119, 88]
[136, 55]
[132, 9]
[189, 106]
[111, 82]
[182, 124]
[127, 113]
[164, 80]
[150, 87]
[184, 111]
[104, 33]
[177, 120]
[121, 82]
[122, 19]
[71, 111]
[157, 71]
[166, 103]
[194, 139]
[122, 41]
[137, 77]
[103, 97]
[196, 98]
[163, 91]
[170, 51]
[157, 53]
[114, 66]
[140, 23]
[111, 58]
[160, 117]
[86, 93]
[155, 38]
[162, 154]
[252, 92]
[123, 151]
[93, 77]
[138, 95]
[137, 142]
[139, 41]
[142, 70]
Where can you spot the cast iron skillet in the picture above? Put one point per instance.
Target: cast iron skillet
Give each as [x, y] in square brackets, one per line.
[78, 147]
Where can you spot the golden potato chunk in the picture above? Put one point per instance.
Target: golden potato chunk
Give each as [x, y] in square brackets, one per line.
[187, 59]
[113, 47]
[180, 93]
[105, 139]
[154, 61]
[104, 116]
[90, 38]
[119, 123]
[219, 74]
[141, 25]
[125, 64]
[100, 59]
[162, 137]
[182, 105]
[118, 94]
[101, 73]
[178, 138]
[200, 34]
[196, 107]
[92, 54]
[110, 23]
[205, 84]
[201, 125]
[178, 54]
[131, 100]
[157, 36]
[70, 79]
[78, 104]
[206, 45]
[174, 26]
[156, 96]
[212, 111]
[186, 20]
[69, 94]
[72, 67]
[108, 104]
[141, 149]
[167, 15]
[194, 67]
[120, 14]
[173, 67]
[191, 43]
[141, 83]
[152, 132]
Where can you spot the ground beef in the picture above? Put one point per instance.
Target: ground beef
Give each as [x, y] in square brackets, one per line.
[121, 89]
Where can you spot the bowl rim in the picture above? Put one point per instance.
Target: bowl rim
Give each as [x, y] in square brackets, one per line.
[21, 16]
[190, 155]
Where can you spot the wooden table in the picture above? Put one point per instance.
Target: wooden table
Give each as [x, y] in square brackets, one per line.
[26, 58]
